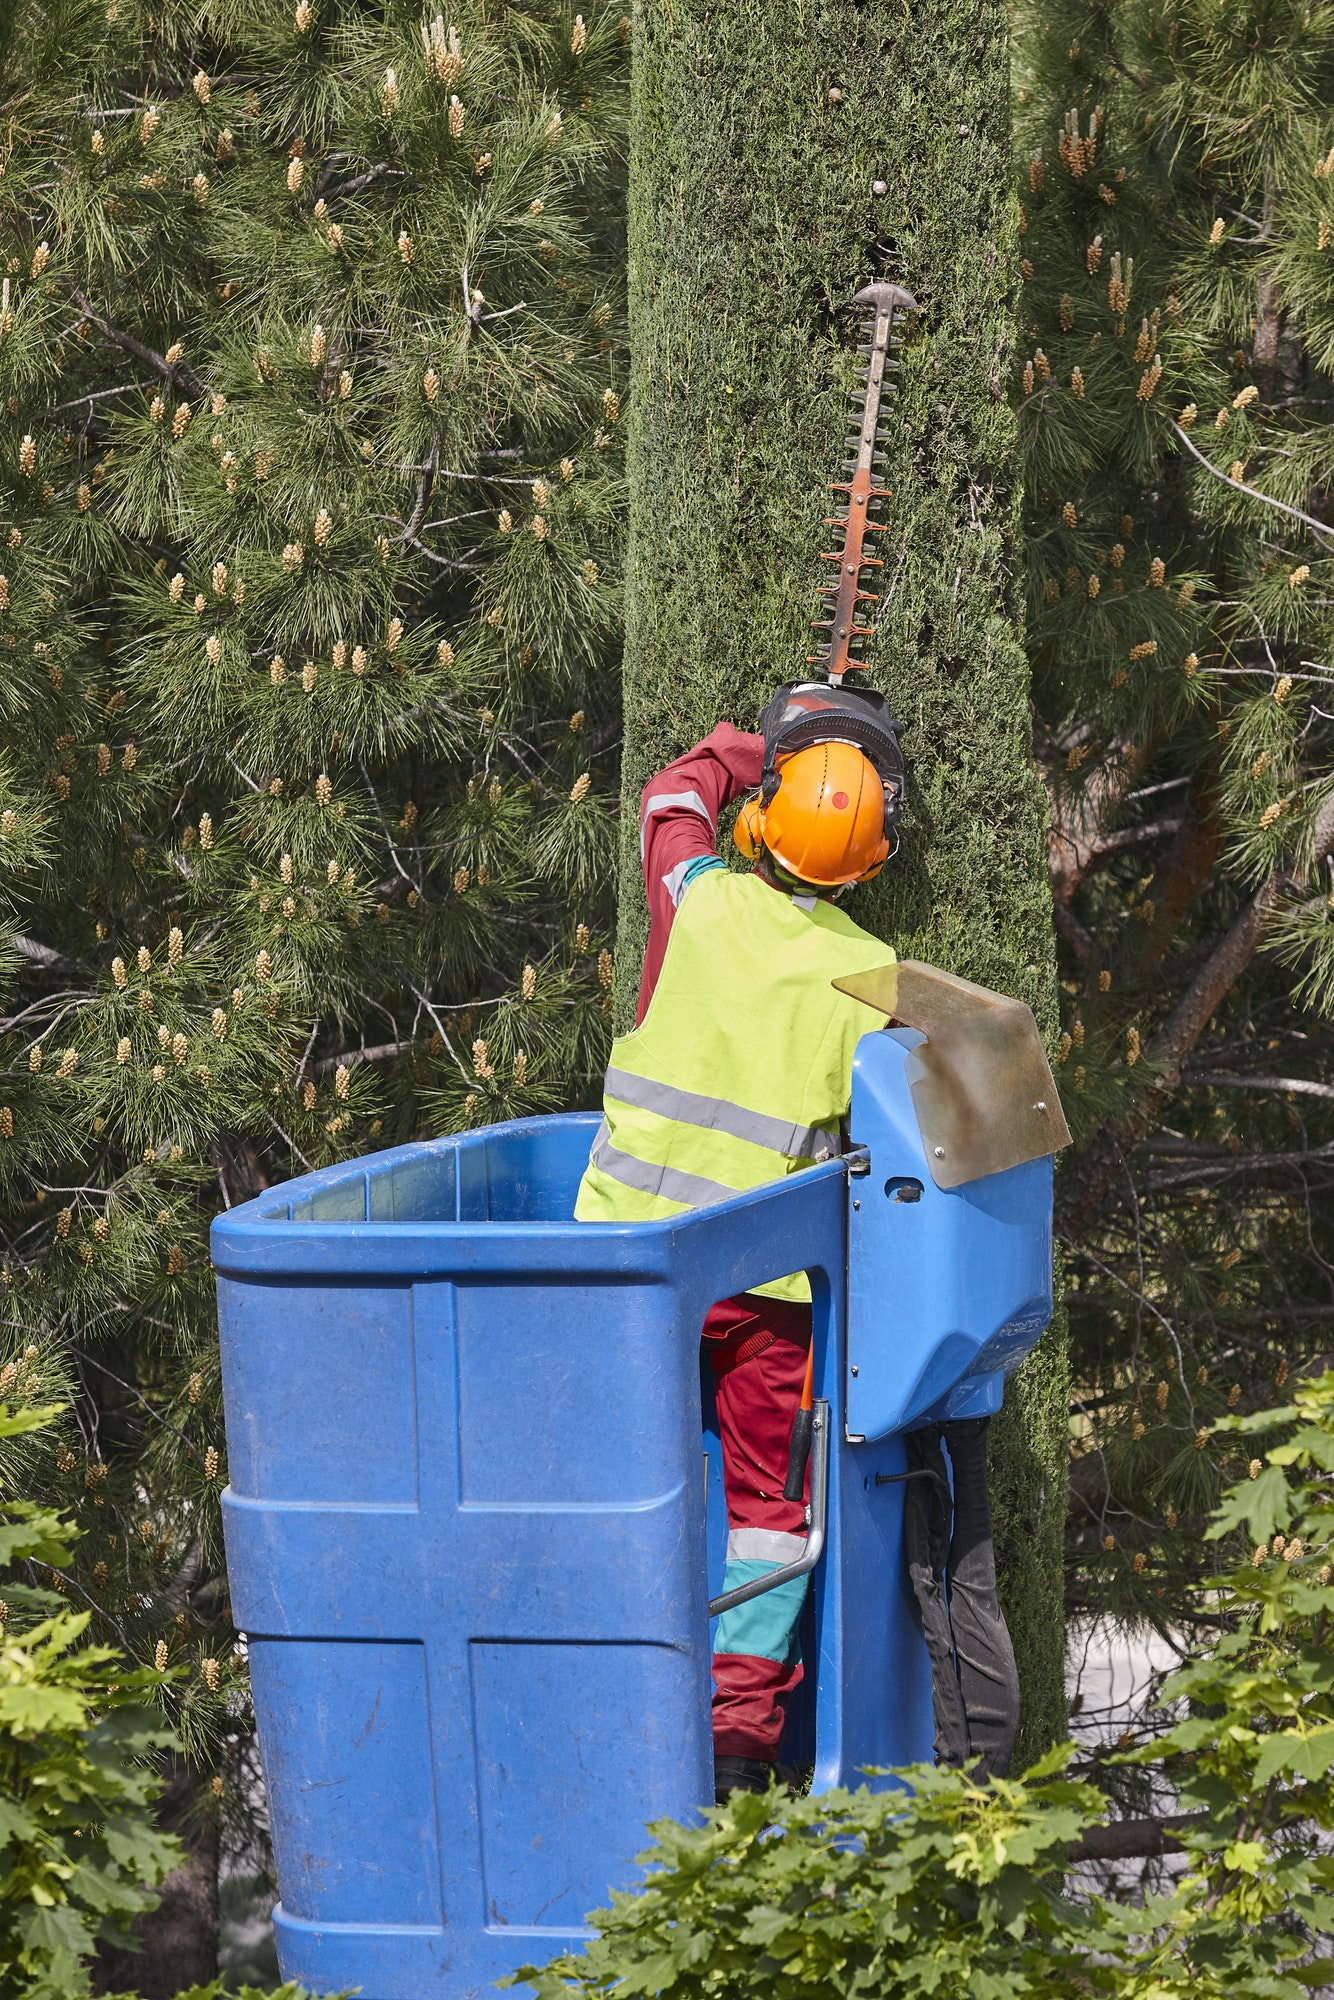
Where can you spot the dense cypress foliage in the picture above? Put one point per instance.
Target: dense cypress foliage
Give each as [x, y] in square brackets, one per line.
[758, 135]
[309, 371]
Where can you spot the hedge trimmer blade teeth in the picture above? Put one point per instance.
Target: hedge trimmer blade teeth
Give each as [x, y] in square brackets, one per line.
[844, 593]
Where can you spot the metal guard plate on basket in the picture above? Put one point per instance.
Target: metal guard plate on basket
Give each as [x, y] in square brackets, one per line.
[982, 1088]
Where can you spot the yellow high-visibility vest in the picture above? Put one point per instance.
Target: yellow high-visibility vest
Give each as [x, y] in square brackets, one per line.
[742, 1068]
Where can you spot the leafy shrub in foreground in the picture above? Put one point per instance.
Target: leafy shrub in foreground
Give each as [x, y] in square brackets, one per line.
[80, 1852]
[950, 1887]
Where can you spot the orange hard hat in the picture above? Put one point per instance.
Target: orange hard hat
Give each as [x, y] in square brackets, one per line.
[825, 822]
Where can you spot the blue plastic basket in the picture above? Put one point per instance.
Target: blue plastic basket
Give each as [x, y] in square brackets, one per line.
[470, 1534]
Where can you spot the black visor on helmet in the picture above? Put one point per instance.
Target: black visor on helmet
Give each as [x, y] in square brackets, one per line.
[805, 712]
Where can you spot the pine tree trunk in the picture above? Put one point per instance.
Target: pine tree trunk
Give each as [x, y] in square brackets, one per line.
[758, 131]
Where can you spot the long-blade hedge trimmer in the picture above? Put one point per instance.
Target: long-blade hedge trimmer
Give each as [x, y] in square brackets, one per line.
[886, 306]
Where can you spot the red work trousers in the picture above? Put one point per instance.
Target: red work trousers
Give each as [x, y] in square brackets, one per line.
[758, 1348]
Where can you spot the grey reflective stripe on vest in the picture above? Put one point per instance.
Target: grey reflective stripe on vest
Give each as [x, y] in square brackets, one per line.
[715, 1114]
[647, 1177]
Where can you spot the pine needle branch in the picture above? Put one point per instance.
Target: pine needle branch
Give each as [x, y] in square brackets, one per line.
[1214, 1079]
[181, 378]
[384, 1052]
[1319, 528]
[45, 955]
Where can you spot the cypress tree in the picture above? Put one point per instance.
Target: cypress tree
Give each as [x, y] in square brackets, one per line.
[781, 155]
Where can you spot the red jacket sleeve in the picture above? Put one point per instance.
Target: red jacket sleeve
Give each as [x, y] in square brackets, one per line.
[678, 821]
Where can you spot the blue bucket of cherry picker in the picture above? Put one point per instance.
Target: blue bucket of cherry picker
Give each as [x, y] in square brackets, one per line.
[472, 1536]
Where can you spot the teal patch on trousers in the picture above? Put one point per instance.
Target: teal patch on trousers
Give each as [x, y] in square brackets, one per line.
[765, 1627]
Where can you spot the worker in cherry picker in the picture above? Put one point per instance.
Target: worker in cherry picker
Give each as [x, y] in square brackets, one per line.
[739, 1071]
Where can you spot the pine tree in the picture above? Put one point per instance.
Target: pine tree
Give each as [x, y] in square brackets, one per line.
[1173, 392]
[310, 359]
[778, 161]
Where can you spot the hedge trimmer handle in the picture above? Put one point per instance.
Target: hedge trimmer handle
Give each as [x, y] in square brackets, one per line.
[799, 1446]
